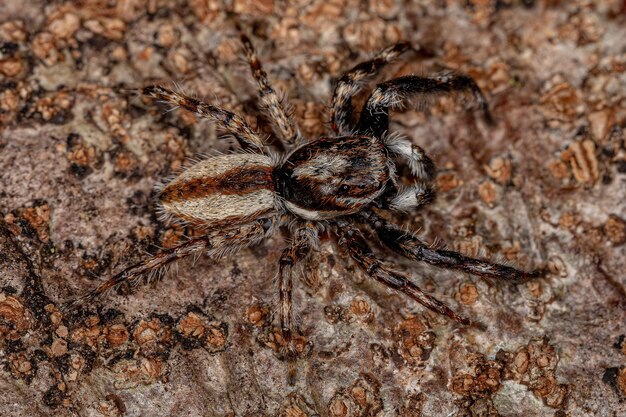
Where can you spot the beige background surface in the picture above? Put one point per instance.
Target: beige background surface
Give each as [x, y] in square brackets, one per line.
[544, 186]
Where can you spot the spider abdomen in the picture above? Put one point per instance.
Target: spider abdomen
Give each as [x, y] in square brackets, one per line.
[223, 189]
[331, 177]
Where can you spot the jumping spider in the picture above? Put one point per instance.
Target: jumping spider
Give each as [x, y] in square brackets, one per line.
[332, 183]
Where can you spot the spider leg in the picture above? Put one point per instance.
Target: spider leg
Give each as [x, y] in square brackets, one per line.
[216, 244]
[362, 254]
[353, 81]
[394, 93]
[280, 116]
[411, 198]
[422, 191]
[224, 119]
[422, 167]
[411, 247]
[304, 238]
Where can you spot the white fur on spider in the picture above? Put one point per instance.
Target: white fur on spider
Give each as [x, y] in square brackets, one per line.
[418, 161]
[410, 198]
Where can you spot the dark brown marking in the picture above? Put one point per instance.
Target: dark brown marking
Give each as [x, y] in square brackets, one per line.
[242, 180]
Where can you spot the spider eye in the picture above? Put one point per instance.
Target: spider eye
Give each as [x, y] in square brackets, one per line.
[344, 188]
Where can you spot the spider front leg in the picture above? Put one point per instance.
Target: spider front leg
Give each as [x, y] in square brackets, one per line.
[362, 254]
[216, 244]
[279, 114]
[394, 93]
[411, 247]
[224, 119]
[353, 81]
[422, 191]
[304, 238]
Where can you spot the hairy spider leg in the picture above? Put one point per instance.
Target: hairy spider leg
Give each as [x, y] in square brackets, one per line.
[304, 238]
[353, 81]
[411, 247]
[394, 93]
[216, 244]
[280, 114]
[362, 254]
[422, 192]
[225, 120]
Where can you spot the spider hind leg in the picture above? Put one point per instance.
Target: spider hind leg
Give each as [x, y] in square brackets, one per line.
[411, 247]
[304, 238]
[216, 244]
[362, 254]
[422, 191]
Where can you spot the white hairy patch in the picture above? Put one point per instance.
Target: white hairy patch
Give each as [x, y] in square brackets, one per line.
[408, 198]
[217, 207]
[302, 212]
[322, 167]
[389, 98]
[413, 154]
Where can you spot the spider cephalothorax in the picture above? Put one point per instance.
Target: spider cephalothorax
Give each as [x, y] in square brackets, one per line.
[335, 183]
[333, 176]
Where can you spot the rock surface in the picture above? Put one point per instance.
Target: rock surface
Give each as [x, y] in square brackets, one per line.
[543, 186]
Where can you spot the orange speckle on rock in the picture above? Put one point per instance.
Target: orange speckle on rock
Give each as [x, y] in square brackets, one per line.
[487, 193]
[117, 335]
[338, 408]
[615, 229]
[447, 181]
[468, 294]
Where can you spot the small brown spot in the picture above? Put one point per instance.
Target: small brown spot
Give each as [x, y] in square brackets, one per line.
[64, 25]
[62, 331]
[21, 366]
[111, 28]
[481, 380]
[338, 408]
[487, 193]
[153, 337]
[569, 220]
[11, 67]
[621, 380]
[414, 341]
[58, 347]
[500, 170]
[535, 365]
[39, 218]
[129, 373]
[468, 294]
[198, 330]
[558, 169]
[257, 315]
[293, 411]
[117, 335]
[582, 158]
[448, 181]
[615, 229]
[15, 320]
[360, 307]
[167, 35]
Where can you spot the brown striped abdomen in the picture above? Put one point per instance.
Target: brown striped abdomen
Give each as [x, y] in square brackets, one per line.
[221, 190]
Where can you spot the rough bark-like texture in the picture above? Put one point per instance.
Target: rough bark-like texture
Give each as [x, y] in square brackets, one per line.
[544, 186]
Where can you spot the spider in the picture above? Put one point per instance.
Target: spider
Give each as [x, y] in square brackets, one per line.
[338, 183]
